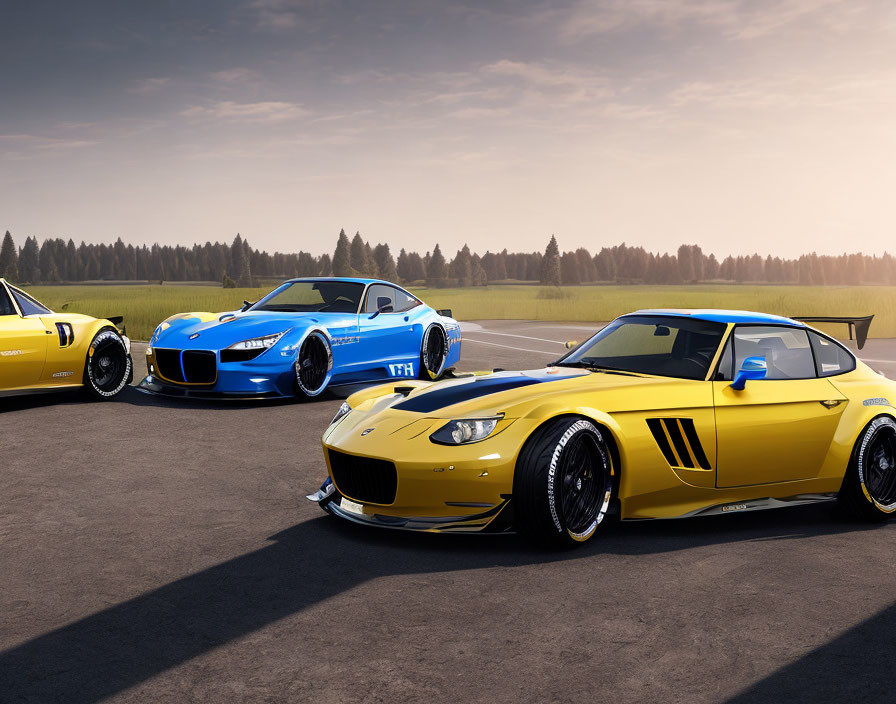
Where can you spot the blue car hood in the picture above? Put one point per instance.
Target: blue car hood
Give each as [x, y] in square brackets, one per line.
[191, 333]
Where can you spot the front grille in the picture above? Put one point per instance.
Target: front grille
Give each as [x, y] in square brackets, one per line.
[168, 362]
[363, 478]
[200, 367]
[188, 366]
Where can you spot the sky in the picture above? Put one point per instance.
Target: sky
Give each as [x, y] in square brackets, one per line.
[742, 126]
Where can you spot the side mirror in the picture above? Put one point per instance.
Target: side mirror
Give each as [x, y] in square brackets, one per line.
[246, 306]
[571, 343]
[387, 308]
[752, 368]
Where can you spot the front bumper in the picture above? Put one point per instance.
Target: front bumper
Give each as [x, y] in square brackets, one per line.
[495, 519]
[154, 385]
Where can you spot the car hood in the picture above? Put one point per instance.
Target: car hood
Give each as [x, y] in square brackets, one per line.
[208, 331]
[517, 394]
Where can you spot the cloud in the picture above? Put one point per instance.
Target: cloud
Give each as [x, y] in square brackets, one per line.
[265, 111]
[236, 75]
[743, 19]
[150, 85]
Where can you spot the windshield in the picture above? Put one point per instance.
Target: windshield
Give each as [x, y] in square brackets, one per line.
[652, 344]
[313, 296]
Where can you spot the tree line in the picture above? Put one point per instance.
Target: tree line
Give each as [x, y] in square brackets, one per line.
[238, 264]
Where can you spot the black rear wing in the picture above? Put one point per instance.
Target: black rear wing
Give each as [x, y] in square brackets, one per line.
[858, 325]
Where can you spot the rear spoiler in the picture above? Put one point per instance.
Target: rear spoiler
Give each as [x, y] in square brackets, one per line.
[858, 325]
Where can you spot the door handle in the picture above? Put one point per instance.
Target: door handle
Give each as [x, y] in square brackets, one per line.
[832, 403]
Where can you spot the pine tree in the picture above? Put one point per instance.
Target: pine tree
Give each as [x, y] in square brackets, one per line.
[436, 270]
[462, 267]
[9, 259]
[358, 255]
[403, 267]
[550, 264]
[342, 265]
[245, 279]
[385, 264]
[28, 269]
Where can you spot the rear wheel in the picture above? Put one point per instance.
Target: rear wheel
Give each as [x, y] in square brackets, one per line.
[563, 482]
[314, 365]
[433, 353]
[108, 365]
[869, 487]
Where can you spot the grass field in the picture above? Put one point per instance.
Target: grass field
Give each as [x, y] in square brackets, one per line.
[143, 307]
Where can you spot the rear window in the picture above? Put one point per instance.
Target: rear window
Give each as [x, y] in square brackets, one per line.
[831, 358]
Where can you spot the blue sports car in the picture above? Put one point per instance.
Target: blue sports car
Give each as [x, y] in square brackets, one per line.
[303, 337]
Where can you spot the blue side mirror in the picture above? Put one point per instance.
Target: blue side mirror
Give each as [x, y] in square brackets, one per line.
[751, 368]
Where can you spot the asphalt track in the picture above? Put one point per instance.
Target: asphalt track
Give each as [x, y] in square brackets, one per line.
[160, 551]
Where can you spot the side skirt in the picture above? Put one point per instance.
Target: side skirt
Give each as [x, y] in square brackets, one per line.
[751, 505]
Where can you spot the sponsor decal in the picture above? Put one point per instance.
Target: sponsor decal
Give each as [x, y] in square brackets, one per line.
[402, 369]
[880, 401]
[11, 353]
[58, 375]
[336, 341]
[734, 507]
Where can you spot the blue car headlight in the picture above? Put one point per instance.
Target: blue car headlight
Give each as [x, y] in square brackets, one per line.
[258, 343]
[462, 432]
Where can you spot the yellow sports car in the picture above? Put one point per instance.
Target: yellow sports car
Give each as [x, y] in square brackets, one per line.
[661, 414]
[45, 351]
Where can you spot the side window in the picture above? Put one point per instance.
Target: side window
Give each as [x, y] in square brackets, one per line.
[404, 301]
[726, 363]
[830, 358]
[786, 351]
[28, 305]
[378, 296]
[6, 306]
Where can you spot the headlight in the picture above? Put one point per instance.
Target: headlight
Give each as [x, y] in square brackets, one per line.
[461, 432]
[343, 411]
[258, 343]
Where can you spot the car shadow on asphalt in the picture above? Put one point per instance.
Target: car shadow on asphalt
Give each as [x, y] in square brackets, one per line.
[130, 642]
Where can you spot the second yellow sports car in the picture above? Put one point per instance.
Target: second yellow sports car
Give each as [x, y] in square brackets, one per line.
[45, 351]
[661, 414]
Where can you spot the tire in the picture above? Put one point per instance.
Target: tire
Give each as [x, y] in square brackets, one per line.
[563, 483]
[314, 365]
[869, 487]
[433, 352]
[108, 366]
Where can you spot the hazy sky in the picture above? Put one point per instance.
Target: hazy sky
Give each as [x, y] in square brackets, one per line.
[759, 125]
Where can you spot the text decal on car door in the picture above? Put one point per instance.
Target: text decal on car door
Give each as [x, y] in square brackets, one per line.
[402, 369]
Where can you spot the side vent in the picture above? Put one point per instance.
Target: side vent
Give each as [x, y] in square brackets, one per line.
[678, 441]
[66, 334]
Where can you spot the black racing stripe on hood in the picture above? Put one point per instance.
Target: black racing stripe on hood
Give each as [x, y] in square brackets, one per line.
[450, 395]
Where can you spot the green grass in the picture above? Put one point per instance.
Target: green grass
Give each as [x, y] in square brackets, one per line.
[143, 307]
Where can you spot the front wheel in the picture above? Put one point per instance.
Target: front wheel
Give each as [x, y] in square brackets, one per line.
[433, 353]
[563, 482]
[107, 368]
[314, 365]
[869, 487]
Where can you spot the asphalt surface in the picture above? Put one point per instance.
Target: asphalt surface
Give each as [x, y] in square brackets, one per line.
[163, 551]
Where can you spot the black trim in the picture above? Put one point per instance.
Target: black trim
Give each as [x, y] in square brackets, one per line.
[656, 427]
[457, 393]
[694, 441]
[678, 440]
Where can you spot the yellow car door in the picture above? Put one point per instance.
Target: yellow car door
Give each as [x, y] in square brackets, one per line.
[23, 346]
[778, 428]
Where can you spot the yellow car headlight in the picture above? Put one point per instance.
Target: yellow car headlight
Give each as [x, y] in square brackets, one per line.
[465, 431]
